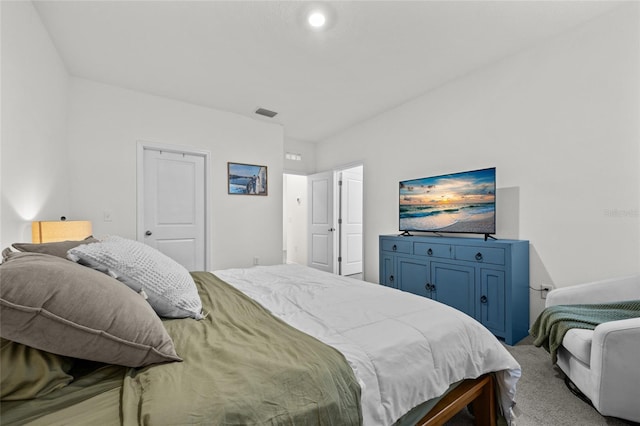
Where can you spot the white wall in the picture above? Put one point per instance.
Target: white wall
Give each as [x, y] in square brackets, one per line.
[69, 148]
[104, 126]
[295, 218]
[561, 124]
[307, 150]
[34, 153]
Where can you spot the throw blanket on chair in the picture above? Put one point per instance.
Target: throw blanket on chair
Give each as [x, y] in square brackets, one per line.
[552, 324]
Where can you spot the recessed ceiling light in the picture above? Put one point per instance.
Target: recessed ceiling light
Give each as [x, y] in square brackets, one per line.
[317, 19]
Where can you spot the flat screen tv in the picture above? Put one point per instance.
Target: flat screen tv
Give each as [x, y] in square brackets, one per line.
[462, 202]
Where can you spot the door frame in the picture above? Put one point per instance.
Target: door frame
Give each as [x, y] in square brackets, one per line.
[141, 145]
[335, 209]
[339, 219]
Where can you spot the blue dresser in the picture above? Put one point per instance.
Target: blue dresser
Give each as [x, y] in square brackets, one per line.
[487, 280]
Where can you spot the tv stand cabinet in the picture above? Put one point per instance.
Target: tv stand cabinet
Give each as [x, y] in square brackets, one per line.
[487, 280]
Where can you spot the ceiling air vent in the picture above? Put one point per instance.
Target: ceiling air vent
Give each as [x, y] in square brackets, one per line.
[266, 112]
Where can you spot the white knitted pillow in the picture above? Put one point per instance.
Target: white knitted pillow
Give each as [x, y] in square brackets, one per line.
[167, 284]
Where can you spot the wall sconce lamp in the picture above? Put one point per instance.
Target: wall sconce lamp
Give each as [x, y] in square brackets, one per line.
[60, 230]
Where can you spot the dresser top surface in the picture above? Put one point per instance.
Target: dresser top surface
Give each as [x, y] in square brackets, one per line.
[454, 240]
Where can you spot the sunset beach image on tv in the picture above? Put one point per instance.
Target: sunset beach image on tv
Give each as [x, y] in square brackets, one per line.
[458, 202]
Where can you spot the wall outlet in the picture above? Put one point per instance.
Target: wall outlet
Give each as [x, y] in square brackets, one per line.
[544, 290]
[107, 216]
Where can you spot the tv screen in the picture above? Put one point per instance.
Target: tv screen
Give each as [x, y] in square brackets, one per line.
[458, 202]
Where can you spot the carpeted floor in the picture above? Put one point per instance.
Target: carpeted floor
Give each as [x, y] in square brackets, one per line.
[542, 399]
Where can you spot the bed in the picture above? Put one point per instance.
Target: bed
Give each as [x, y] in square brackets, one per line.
[281, 344]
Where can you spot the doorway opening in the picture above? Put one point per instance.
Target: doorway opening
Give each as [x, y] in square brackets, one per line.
[294, 224]
[322, 220]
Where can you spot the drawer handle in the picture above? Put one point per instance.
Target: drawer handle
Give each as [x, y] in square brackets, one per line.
[478, 256]
[394, 248]
[390, 278]
[483, 299]
[430, 252]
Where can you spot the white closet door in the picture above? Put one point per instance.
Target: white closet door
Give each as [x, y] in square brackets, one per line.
[174, 206]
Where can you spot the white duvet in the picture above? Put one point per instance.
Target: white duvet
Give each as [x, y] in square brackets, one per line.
[404, 349]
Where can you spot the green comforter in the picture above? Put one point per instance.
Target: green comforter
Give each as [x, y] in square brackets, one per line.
[552, 324]
[242, 366]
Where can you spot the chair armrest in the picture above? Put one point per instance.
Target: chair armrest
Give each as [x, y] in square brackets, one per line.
[615, 368]
[611, 290]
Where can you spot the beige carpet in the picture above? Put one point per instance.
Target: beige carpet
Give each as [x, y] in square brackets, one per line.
[542, 399]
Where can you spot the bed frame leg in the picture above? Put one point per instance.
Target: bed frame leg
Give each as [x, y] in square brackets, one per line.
[478, 392]
[484, 406]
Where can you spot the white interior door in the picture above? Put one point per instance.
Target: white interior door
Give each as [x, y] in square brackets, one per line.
[173, 206]
[350, 221]
[321, 224]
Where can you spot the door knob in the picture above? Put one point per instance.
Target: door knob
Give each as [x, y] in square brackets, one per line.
[332, 229]
[148, 233]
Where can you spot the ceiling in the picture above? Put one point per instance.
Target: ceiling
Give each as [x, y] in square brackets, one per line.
[240, 55]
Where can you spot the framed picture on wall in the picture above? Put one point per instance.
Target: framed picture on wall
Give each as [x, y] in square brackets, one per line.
[247, 179]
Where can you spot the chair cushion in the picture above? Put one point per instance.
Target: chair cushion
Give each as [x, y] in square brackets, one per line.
[578, 342]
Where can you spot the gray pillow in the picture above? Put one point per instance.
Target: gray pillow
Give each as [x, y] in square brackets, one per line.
[61, 307]
[5, 253]
[167, 284]
[59, 249]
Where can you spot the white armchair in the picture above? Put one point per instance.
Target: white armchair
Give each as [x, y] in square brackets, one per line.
[604, 363]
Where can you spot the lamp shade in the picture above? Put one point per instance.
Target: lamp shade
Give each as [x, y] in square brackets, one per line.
[60, 230]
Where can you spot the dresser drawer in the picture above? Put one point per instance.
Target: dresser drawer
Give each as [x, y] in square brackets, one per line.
[480, 254]
[432, 250]
[396, 246]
